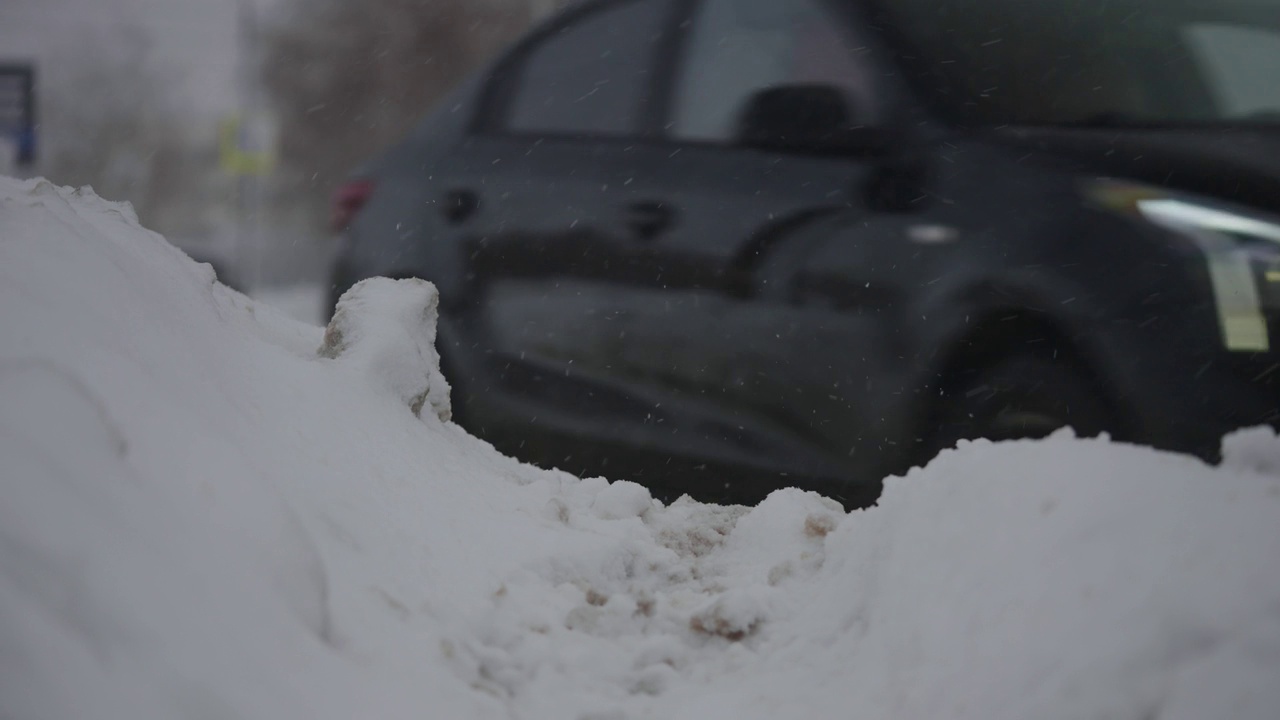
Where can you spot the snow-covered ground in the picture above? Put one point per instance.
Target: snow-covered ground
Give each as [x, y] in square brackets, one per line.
[211, 510]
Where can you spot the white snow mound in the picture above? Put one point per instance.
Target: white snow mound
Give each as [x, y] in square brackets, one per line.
[213, 511]
[388, 328]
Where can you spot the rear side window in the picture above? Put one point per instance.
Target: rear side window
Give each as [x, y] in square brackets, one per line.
[594, 76]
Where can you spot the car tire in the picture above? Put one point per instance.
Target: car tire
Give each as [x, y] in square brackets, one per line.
[1018, 397]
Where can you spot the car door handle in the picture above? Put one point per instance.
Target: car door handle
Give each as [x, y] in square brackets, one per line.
[649, 219]
[459, 204]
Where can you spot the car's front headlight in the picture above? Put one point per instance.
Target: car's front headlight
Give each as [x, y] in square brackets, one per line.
[1240, 246]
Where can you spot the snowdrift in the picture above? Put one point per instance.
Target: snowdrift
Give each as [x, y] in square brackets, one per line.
[212, 511]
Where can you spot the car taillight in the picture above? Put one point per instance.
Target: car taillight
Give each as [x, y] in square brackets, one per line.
[347, 201]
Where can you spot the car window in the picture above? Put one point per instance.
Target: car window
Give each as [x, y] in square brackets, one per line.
[1240, 64]
[735, 48]
[593, 76]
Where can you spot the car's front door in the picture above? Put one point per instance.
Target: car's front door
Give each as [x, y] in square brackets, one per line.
[715, 322]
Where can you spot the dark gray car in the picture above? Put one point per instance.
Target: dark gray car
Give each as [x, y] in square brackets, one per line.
[723, 246]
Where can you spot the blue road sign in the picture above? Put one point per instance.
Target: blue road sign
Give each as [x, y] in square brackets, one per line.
[18, 109]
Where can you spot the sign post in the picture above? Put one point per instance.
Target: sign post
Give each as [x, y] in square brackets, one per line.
[247, 148]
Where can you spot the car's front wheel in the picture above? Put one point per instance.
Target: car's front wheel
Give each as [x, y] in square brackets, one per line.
[1022, 396]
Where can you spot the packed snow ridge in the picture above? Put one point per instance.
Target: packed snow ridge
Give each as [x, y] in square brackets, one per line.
[210, 510]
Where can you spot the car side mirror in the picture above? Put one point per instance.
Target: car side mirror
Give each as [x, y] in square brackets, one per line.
[806, 118]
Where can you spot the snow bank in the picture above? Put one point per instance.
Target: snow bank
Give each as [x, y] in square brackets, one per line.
[213, 511]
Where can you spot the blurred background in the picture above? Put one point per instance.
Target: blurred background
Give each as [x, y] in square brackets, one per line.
[228, 123]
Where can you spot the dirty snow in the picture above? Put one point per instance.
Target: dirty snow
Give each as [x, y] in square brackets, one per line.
[211, 510]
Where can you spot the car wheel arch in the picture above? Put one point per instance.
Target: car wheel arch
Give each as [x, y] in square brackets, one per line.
[996, 332]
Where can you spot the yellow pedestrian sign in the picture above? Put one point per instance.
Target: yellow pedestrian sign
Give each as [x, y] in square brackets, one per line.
[244, 148]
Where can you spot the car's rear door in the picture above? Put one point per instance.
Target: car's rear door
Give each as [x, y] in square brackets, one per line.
[546, 202]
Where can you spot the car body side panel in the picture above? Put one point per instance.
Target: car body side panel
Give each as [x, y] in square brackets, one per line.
[567, 292]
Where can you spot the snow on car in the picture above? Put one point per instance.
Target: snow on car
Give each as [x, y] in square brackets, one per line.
[212, 510]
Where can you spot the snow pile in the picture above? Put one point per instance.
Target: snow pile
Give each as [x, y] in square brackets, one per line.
[212, 511]
[387, 330]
